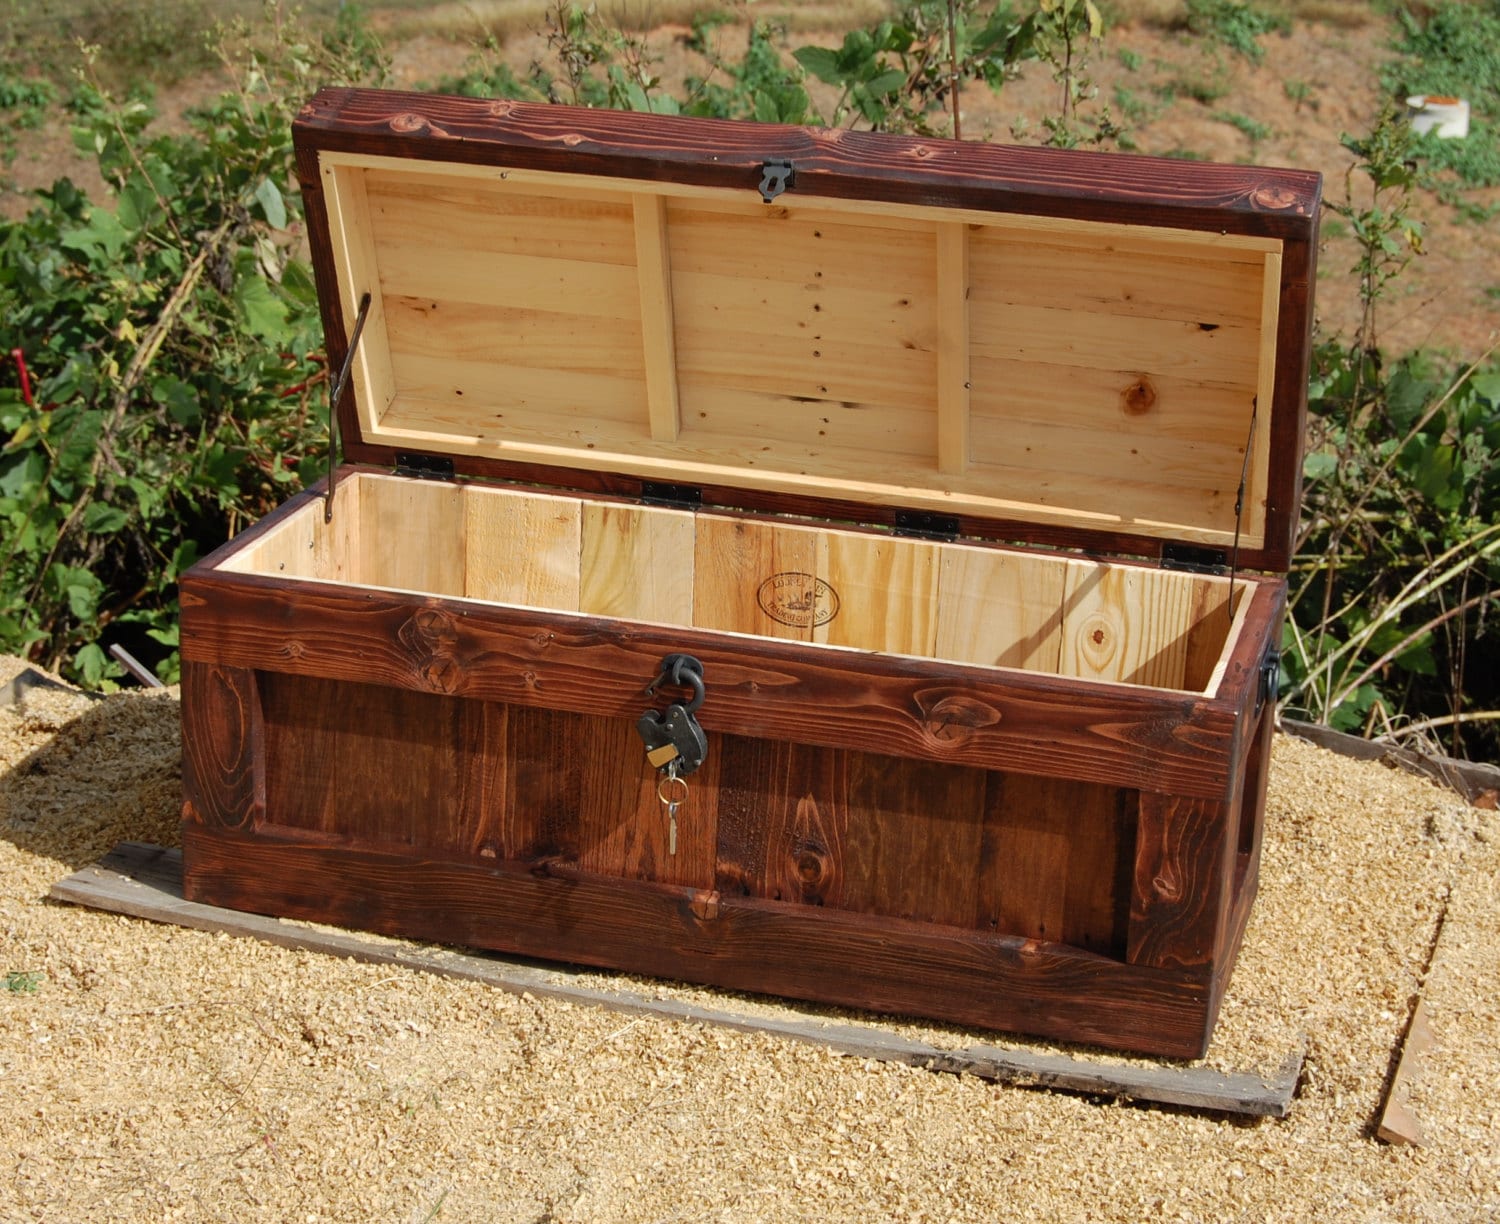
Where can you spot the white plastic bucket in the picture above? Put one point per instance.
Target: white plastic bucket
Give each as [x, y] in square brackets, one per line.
[1448, 117]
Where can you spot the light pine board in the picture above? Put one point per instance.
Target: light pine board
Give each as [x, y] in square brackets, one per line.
[146, 882]
[1101, 375]
[637, 563]
[865, 590]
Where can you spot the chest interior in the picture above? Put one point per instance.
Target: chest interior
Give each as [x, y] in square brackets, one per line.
[841, 587]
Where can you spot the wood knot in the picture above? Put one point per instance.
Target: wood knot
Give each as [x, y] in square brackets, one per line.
[430, 636]
[408, 122]
[705, 905]
[955, 717]
[812, 870]
[1273, 197]
[572, 139]
[1138, 398]
[500, 109]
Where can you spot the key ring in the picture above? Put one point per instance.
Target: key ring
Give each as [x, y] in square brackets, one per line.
[664, 786]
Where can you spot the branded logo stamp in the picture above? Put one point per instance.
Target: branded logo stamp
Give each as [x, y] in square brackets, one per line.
[799, 600]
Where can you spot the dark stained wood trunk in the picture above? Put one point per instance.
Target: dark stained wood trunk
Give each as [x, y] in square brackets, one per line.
[814, 442]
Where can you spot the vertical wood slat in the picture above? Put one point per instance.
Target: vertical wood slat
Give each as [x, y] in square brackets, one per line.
[637, 563]
[953, 346]
[658, 329]
[223, 750]
[352, 230]
[1180, 899]
[411, 537]
[522, 548]
[1000, 610]
[753, 577]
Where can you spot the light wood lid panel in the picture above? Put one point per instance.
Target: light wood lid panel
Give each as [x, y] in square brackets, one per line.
[1079, 375]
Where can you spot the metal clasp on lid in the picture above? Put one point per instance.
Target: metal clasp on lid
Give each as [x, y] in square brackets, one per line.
[336, 393]
[775, 177]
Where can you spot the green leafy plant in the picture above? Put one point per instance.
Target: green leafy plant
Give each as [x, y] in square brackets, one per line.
[897, 74]
[1252, 128]
[1238, 26]
[1398, 566]
[24, 981]
[24, 102]
[170, 342]
[1066, 33]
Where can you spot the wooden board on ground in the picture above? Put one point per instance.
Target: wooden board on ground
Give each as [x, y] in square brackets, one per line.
[1398, 1123]
[146, 882]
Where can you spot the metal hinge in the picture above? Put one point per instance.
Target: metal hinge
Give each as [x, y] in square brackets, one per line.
[925, 525]
[425, 467]
[675, 496]
[1194, 559]
[1270, 678]
[775, 177]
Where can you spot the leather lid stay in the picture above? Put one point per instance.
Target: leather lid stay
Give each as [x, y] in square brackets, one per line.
[1062, 347]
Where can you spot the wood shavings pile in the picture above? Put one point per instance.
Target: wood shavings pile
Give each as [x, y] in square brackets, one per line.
[154, 1073]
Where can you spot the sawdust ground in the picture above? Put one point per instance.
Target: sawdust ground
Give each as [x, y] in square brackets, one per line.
[153, 1073]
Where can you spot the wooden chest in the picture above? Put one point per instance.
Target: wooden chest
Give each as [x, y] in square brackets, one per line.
[932, 453]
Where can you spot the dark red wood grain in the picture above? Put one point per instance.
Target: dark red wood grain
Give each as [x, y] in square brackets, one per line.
[223, 751]
[857, 960]
[831, 162]
[1175, 743]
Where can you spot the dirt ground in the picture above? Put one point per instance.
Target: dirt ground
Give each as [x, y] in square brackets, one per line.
[1315, 83]
[153, 1073]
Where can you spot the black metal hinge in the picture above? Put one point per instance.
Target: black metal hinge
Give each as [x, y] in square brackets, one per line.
[675, 496]
[925, 525]
[426, 467]
[1270, 679]
[1194, 559]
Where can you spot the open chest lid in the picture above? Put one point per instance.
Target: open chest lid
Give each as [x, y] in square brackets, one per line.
[1069, 348]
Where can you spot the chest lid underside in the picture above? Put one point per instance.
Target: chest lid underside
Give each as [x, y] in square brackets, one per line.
[1060, 346]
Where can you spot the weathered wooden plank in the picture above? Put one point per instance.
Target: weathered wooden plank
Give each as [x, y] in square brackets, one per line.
[1399, 1123]
[554, 911]
[1047, 725]
[146, 882]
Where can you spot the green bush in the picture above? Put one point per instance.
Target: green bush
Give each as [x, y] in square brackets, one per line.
[170, 339]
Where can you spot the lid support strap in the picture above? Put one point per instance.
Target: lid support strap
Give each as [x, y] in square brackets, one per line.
[1239, 504]
[336, 393]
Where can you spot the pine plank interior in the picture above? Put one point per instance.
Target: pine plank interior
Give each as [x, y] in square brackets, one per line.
[964, 603]
[1100, 376]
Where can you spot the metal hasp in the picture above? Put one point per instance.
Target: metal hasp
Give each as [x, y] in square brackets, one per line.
[336, 393]
[775, 177]
[673, 737]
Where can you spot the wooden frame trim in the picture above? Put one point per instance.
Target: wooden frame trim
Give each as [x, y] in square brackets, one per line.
[801, 951]
[953, 346]
[658, 328]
